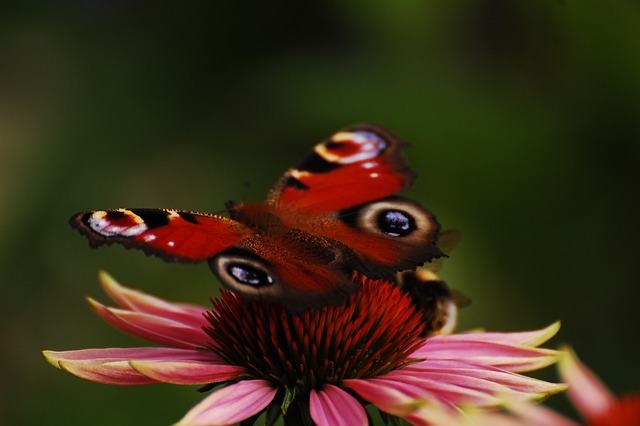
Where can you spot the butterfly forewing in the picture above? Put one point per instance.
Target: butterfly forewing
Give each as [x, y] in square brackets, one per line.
[170, 234]
[353, 166]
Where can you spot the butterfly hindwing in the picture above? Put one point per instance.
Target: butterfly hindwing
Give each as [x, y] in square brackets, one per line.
[389, 235]
[275, 274]
[173, 235]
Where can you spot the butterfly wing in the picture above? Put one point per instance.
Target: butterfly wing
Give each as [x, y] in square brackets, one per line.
[268, 271]
[353, 166]
[172, 235]
[275, 269]
[447, 241]
[350, 179]
[326, 217]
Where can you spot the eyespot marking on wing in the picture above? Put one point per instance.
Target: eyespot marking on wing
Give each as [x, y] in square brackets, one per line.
[396, 223]
[115, 223]
[242, 271]
[351, 147]
[393, 217]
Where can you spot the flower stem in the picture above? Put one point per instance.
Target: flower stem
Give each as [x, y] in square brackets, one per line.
[298, 415]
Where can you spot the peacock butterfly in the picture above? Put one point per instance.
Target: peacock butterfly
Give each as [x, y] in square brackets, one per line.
[334, 213]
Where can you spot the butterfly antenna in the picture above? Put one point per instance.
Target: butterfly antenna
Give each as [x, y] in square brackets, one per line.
[230, 204]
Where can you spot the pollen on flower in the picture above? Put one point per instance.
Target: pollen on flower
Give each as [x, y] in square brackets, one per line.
[371, 334]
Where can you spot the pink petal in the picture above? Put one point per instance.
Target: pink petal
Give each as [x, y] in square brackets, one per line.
[333, 406]
[129, 354]
[411, 402]
[447, 382]
[150, 327]
[392, 397]
[110, 373]
[435, 413]
[111, 366]
[231, 404]
[460, 372]
[536, 415]
[460, 388]
[134, 300]
[527, 338]
[444, 390]
[590, 396]
[483, 418]
[506, 356]
[188, 372]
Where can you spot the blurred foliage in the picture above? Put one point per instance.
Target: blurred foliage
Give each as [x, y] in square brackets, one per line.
[523, 119]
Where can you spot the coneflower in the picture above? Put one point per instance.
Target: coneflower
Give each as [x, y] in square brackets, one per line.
[322, 367]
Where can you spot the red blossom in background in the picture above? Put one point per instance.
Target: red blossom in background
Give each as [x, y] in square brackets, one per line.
[595, 403]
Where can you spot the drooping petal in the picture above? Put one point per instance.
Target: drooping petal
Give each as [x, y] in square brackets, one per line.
[231, 404]
[529, 414]
[473, 416]
[445, 390]
[510, 357]
[130, 354]
[463, 389]
[528, 338]
[188, 372]
[151, 327]
[135, 300]
[112, 366]
[110, 373]
[590, 396]
[435, 413]
[492, 379]
[334, 407]
[393, 397]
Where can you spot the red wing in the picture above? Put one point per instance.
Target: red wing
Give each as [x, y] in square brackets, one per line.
[354, 166]
[381, 256]
[169, 234]
[263, 269]
[308, 285]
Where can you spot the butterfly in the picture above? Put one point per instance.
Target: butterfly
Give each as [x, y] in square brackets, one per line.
[335, 213]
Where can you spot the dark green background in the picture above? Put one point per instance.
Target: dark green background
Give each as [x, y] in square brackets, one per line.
[523, 119]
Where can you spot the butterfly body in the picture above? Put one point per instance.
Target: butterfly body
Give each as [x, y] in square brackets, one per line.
[334, 213]
[433, 298]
